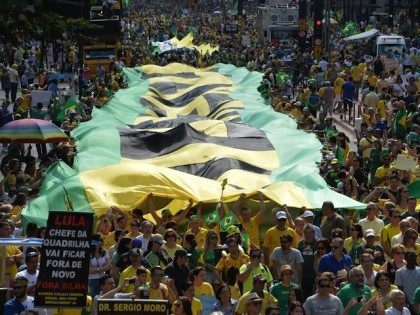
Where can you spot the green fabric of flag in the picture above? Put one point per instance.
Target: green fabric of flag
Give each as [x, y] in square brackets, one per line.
[70, 104]
[414, 189]
[228, 220]
[212, 218]
[152, 259]
[281, 77]
[350, 28]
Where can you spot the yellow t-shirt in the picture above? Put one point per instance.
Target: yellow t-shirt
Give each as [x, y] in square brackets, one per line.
[204, 289]
[16, 210]
[12, 269]
[200, 237]
[338, 86]
[272, 237]
[382, 108]
[388, 304]
[235, 293]
[131, 272]
[388, 232]
[382, 172]
[356, 72]
[371, 79]
[108, 240]
[252, 229]
[196, 306]
[228, 261]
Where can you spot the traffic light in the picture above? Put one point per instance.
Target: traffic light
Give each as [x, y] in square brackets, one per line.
[302, 24]
[318, 27]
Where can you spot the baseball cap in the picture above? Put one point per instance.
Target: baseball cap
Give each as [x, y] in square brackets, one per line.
[136, 243]
[158, 239]
[334, 161]
[370, 232]
[307, 214]
[285, 268]
[232, 230]
[280, 215]
[135, 251]
[253, 297]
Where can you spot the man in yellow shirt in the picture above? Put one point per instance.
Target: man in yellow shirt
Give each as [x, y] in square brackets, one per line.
[12, 256]
[197, 230]
[370, 77]
[234, 259]
[338, 89]
[382, 172]
[250, 224]
[272, 236]
[258, 291]
[357, 72]
[390, 230]
[131, 271]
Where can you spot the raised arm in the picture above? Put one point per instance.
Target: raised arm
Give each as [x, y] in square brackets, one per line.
[184, 212]
[152, 210]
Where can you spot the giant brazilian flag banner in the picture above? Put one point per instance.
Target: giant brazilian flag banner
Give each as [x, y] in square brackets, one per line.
[178, 132]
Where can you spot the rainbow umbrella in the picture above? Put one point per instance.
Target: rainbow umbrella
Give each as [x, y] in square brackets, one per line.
[31, 130]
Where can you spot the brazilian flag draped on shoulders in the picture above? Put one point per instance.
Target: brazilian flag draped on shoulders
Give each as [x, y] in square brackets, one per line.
[179, 132]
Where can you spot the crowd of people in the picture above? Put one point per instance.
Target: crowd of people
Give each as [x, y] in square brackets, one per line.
[337, 261]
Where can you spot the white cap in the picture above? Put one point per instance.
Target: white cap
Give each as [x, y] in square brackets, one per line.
[370, 232]
[280, 215]
[307, 214]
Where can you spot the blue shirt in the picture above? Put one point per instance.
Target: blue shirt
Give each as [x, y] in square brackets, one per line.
[13, 307]
[329, 263]
[349, 90]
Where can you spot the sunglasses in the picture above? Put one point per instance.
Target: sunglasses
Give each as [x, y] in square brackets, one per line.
[214, 238]
[321, 247]
[158, 275]
[177, 304]
[171, 235]
[256, 256]
[324, 285]
[337, 247]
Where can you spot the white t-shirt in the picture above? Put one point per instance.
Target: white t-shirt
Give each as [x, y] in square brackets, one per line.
[97, 263]
[393, 311]
[32, 279]
[28, 304]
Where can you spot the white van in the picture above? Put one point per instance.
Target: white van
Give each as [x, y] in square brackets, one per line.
[390, 49]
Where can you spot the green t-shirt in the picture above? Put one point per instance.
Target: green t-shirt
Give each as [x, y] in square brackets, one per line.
[350, 291]
[417, 297]
[281, 293]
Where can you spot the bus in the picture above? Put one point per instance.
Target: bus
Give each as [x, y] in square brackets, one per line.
[98, 54]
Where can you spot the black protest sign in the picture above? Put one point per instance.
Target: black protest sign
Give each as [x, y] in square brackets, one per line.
[65, 255]
[129, 307]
